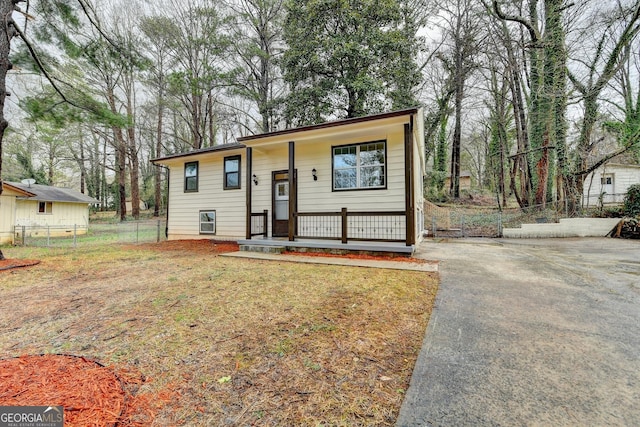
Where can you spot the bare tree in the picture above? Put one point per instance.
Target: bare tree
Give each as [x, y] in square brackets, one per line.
[256, 27]
[607, 61]
[463, 29]
[157, 30]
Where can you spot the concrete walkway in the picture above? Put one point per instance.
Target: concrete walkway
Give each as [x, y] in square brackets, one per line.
[393, 265]
[530, 333]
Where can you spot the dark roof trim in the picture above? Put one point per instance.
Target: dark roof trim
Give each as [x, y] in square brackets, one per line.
[47, 193]
[335, 123]
[213, 149]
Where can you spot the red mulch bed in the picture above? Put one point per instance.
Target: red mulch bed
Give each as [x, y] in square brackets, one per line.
[196, 245]
[8, 264]
[218, 247]
[91, 394]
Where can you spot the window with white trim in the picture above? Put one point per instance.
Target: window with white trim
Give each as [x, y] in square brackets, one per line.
[360, 167]
[45, 207]
[207, 222]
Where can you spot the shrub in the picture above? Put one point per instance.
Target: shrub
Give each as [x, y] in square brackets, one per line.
[632, 201]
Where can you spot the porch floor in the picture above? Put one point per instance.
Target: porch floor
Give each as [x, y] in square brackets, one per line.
[387, 247]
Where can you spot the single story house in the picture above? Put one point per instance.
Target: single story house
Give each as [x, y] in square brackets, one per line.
[465, 181]
[323, 186]
[41, 209]
[609, 183]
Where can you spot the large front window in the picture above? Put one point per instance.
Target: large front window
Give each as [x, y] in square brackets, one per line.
[359, 166]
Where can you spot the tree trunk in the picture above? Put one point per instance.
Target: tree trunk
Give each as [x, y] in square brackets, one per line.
[134, 172]
[133, 158]
[6, 9]
[156, 175]
[81, 165]
[454, 187]
[121, 159]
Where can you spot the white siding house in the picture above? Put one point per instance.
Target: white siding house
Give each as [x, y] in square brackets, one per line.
[344, 181]
[8, 211]
[36, 207]
[609, 183]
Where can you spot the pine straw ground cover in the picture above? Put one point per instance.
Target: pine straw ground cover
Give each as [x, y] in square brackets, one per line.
[203, 340]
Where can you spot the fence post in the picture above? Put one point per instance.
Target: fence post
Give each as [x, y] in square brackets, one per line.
[137, 230]
[462, 225]
[433, 225]
[344, 225]
[266, 223]
[48, 236]
[75, 235]
[499, 224]
[23, 233]
[158, 233]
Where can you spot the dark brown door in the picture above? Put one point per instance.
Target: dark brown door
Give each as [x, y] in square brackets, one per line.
[280, 204]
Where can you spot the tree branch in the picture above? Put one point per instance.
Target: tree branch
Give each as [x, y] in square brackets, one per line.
[635, 136]
[89, 13]
[41, 66]
[533, 32]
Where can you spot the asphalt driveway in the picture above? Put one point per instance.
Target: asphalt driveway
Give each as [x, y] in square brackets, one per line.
[530, 333]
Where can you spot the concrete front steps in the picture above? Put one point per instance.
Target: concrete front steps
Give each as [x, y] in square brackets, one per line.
[263, 249]
[567, 227]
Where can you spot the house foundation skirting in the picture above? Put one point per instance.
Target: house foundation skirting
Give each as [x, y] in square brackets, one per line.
[304, 245]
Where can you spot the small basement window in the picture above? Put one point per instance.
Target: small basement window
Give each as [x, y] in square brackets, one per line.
[191, 177]
[45, 207]
[207, 222]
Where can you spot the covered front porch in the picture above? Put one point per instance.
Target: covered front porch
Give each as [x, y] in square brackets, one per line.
[294, 199]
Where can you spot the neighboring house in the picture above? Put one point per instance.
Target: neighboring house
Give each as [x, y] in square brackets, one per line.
[142, 205]
[608, 184]
[37, 207]
[334, 184]
[465, 181]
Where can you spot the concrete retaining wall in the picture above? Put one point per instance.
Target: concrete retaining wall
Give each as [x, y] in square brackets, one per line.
[567, 227]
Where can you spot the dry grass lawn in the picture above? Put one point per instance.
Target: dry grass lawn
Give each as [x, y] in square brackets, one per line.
[222, 341]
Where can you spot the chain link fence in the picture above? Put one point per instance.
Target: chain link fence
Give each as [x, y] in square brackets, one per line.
[100, 233]
[465, 221]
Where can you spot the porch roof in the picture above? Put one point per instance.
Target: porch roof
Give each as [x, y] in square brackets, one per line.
[312, 130]
[215, 148]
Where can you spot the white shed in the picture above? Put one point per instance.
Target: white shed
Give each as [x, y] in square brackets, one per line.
[609, 183]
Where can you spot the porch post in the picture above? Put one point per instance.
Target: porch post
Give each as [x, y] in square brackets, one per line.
[409, 184]
[248, 185]
[292, 190]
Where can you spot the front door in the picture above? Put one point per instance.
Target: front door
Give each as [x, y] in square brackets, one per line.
[280, 204]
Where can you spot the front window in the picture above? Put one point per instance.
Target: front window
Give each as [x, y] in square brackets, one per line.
[45, 207]
[359, 166]
[191, 177]
[207, 222]
[232, 173]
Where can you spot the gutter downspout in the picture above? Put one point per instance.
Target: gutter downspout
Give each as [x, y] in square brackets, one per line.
[166, 227]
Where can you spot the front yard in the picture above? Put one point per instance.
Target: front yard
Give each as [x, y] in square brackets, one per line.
[223, 341]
